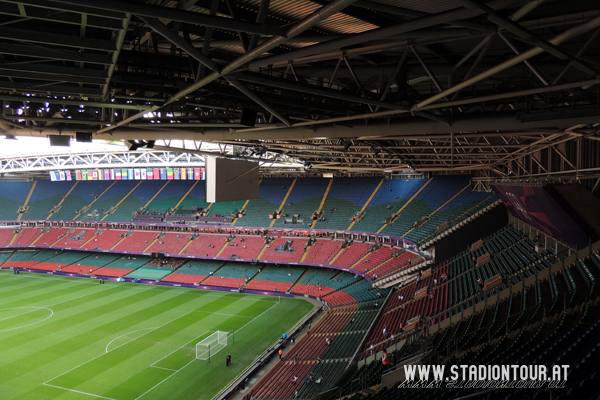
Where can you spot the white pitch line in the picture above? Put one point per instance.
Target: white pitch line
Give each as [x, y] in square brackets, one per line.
[159, 383]
[121, 345]
[180, 369]
[115, 284]
[33, 323]
[79, 391]
[185, 344]
[143, 329]
[168, 369]
[228, 315]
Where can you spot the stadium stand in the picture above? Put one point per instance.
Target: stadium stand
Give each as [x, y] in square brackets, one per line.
[169, 197]
[4, 255]
[61, 260]
[232, 274]
[196, 198]
[13, 196]
[137, 241]
[246, 247]
[26, 236]
[209, 246]
[110, 199]
[122, 266]
[45, 195]
[104, 239]
[49, 236]
[276, 252]
[351, 254]
[276, 279]
[272, 193]
[91, 263]
[156, 269]
[346, 197]
[194, 272]
[304, 199]
[390, 197]
[6, 235]
[133, 201]
[322, 251]
[170, 243]
[81, 196]
[29, 259]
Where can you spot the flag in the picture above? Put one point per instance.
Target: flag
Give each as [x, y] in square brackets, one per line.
[183, 173]
[163, 173]
[176, 173]
[106, 175]
[95, 175]
[124, 174]
[150, 173]
[136, 173]
[90, 176]
[169, 173]
[78, 175]
[190, 173]
[157, 173]
[197, 174]
[143, 174]
[117, 174]
[130, 174]
[68, 175]
[112, 174]
[52, 176]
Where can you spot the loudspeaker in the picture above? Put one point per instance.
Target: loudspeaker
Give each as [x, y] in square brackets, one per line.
[83, 137]
[59, 140]
[249, 117]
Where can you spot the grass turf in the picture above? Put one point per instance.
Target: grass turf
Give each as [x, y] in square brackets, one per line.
[68, 338]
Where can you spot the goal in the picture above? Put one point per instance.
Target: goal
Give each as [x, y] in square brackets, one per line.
[211, 345]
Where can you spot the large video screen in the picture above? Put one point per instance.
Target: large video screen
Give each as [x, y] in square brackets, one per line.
[537, 207]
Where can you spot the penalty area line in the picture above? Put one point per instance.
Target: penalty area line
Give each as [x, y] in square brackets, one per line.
[79, 391]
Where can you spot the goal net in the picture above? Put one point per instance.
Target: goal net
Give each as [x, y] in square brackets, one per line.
[211, 345]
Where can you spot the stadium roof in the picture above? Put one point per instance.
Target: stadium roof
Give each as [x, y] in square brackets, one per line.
[507, 89]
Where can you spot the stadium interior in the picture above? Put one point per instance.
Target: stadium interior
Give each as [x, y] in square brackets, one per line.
[428, 176]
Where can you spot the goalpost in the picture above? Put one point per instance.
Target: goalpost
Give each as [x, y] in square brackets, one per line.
[211, 345]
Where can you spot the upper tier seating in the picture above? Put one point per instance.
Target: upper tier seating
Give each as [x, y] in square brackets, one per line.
[346, 197]
[45, 196]
[134, 200]
[110, 198]
[170, 196]
[303, 200]
[390, 197]
[82, 195]
[13, 196]
[272, 193]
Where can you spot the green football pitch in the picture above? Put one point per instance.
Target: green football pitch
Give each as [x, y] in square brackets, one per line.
[73, 339]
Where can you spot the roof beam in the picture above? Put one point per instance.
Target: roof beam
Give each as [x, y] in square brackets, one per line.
[173, 14]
